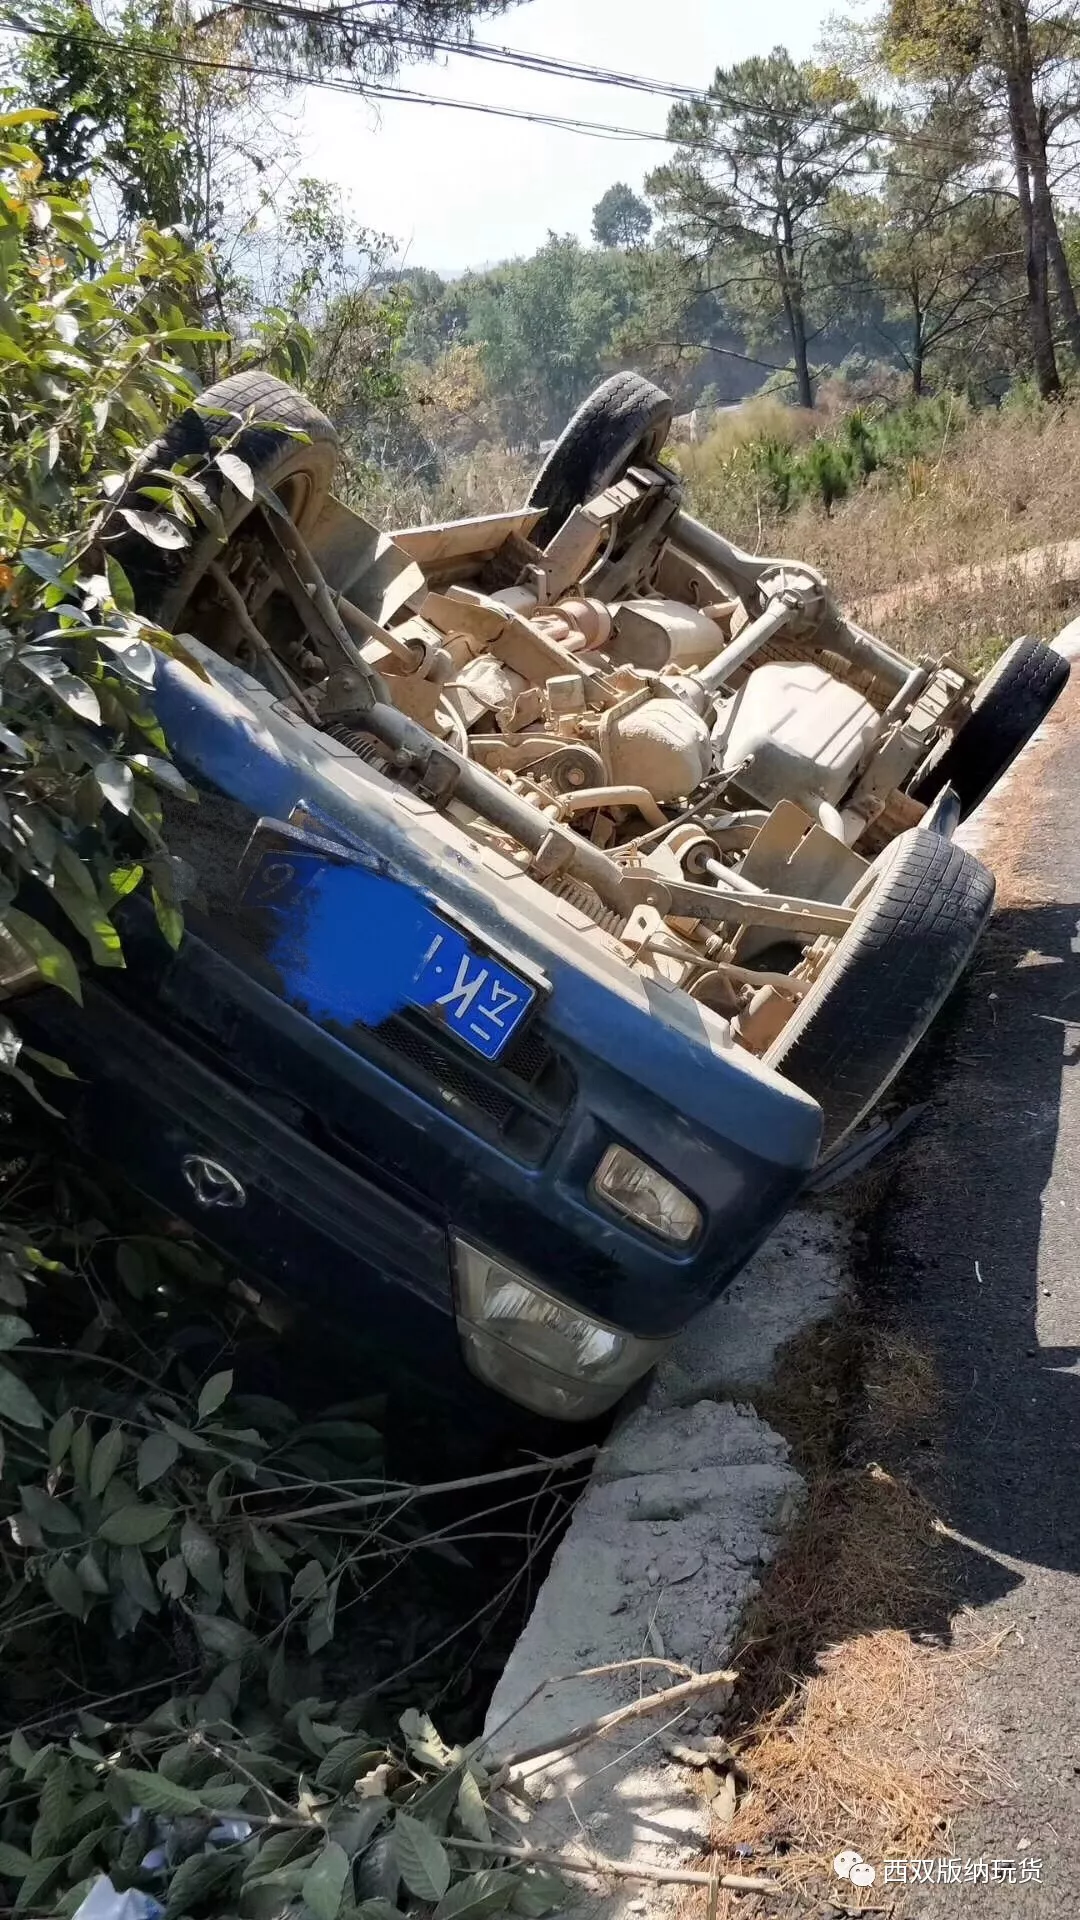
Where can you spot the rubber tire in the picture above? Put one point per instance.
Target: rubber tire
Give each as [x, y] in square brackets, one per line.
[904, 952]
[627, 417]
[1010, 702]
[301, 471]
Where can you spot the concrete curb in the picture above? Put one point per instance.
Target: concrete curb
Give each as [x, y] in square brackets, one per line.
[687, 1503]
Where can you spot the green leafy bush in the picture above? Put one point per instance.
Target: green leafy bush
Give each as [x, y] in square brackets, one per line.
[92, 348]
[190, 1805]
[132, 1481]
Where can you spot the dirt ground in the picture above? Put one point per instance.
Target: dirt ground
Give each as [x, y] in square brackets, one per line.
[1002, 485]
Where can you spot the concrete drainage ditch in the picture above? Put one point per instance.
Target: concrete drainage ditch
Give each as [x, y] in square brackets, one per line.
[687, 1503]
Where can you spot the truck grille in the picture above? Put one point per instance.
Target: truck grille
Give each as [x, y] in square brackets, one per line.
[518, 1100]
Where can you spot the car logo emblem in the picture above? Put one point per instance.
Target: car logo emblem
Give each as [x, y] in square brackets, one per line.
[211, 1183]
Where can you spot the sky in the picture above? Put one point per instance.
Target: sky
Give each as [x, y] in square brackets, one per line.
[463, 190]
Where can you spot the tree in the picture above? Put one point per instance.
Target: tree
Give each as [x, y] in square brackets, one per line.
[168, 108]
[748, 193]
[1025, 67]
[939, 243]
[546, 327]
[621, 218]
[367, 41]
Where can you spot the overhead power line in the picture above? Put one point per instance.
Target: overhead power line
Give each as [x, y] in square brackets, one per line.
[377, 90]
[367, 89]
[482, 50]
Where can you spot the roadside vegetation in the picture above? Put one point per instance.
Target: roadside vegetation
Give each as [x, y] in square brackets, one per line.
[181, 1548]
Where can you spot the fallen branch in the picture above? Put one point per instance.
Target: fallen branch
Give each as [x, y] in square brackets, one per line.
[579, 1736]
[583, 1673]
[625, 1869]
[403, 1492]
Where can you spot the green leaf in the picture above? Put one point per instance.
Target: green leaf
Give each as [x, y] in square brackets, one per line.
[91, 1576]
[264, 1555]
[72, 691]
[53, 961]
[159, 528]
[155, 1794]
[136, 1578]
[38, 1880]
[193, 1441]
[352, 1827]
[158, 1452]
[343, 1764]
[238, 472]
[216, 1390]
[25, 116]
[49, 1513]
[164, 772]
[172, 1577]
[169, 918]
[46, 565]
[471, 1810]
[12, 1330]
[54, 1812]
[106, 1458]
[539, 1890]
[13, 1862]
[131, 1270]
[134, 1526]
[123, 880]
[17, 1403]
[422, 1860]
[197, 1876]
[278, 1850]
[116, 782]
[119, 584]
[235, 1586]
[324, 1882]
[60, 1434]
[82, 1450]
[206, 508]
[320, 1627]
[50, 1062]
[309, 1581]
[201, 1557]
[88, 915]
[478, 1895]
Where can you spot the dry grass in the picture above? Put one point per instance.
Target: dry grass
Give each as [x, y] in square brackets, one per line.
[870, 1752]
[998, 485]
[901, 1387]
[849, 1720]
[1005, 486]
[765, 418]
[491, 479]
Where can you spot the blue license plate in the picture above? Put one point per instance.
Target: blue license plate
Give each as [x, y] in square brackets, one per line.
[349, 944]
[478, 998]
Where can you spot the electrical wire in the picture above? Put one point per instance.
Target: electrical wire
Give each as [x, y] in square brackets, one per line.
[374, 90]
[377, 90]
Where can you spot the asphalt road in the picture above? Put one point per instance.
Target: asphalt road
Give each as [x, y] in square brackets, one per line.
[979, 1255]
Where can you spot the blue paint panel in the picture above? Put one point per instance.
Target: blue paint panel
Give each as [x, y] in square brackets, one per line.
[351, 944]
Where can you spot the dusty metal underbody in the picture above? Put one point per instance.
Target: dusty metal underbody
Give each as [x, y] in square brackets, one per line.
[689, 744]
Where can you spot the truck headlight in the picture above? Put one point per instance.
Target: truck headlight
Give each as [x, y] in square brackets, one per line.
[645, 1196]
[539, 1350]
